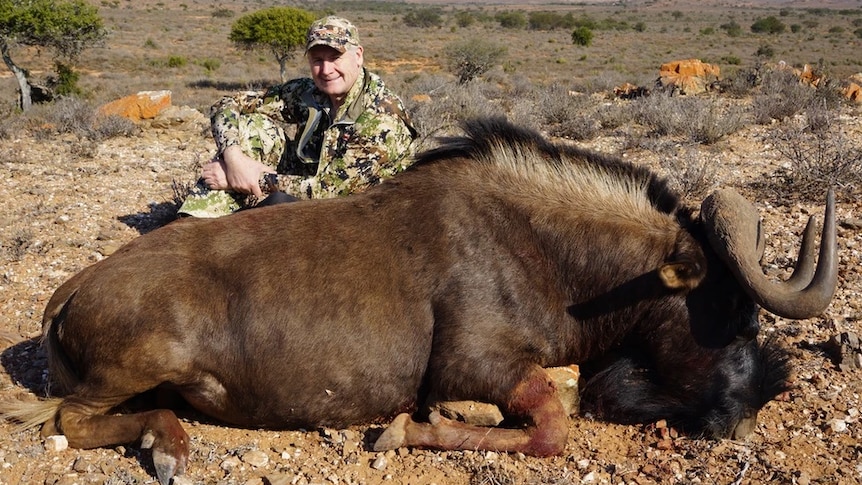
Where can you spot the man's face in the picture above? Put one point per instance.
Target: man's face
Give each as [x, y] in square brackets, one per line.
[333, 72]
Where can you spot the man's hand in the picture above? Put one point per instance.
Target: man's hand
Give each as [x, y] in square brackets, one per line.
[235, 171]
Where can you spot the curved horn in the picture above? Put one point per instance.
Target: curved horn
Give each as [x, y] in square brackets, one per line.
[733, 227]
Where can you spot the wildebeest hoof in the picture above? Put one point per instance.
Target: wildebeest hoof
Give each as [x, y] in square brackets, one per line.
[395, 435]
[167, 466]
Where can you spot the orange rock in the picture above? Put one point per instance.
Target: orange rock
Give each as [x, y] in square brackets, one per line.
[690, 67]
[144, 105]
[853, 92]
[808, 76]
[689, 76]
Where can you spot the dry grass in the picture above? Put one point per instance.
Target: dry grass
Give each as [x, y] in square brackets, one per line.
[147, 34]
[543, 81]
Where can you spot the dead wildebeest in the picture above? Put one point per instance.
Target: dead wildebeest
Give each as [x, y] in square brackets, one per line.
[497, 254]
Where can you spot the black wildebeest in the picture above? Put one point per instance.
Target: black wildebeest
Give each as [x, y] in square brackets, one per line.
[499, 253]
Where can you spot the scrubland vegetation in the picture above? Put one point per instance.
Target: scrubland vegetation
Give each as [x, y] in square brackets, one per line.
[78, 185]
[550, 67]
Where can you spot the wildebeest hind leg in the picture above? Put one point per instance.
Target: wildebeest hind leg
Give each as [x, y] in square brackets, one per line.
[533, 398]
[157, 429]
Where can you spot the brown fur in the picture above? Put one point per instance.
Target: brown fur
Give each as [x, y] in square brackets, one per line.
[493, 256]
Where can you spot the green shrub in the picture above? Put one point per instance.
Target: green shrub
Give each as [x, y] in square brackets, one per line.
[767, 25]
[511, 20]
[425, 17]
[176, 61]
[210, 64]
[582, 36]
[471, 58]
[550, 20]
[66, 83]
[223, 13]
[765, 51]
[464, 19]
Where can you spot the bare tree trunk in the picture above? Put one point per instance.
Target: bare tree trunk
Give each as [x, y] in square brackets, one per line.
[25, 101]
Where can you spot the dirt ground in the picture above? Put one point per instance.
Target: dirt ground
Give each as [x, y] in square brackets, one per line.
[68, 203]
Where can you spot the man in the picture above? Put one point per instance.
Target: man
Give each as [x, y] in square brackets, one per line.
[351, 132]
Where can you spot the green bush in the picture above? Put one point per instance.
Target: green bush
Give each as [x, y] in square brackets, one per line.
[176, 61]
[223, 13]
[550, 20]
[471, 58]
[425, 17]
[732, 29]
[765, 51]
[210, 64]
[582, 36]
[767, 25]
[511, 20]
[464, 19]
[66, 83]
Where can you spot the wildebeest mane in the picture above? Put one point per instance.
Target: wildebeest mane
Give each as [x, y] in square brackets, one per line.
[485, 139]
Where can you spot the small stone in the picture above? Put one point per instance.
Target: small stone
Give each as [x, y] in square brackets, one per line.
[56, 442]
[229, 463]
[838, 425]
[256, 458]
[182, 480]
[380, 463]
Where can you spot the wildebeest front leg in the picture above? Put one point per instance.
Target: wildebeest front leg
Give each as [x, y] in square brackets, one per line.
[534, 398]
[158, 429]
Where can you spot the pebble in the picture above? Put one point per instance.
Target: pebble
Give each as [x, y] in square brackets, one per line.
[380, 463]
[56, 443]
[229, 463]
[256, 458]
[838, 425]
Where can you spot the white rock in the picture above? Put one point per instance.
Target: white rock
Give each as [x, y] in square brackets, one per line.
[56, 442]
[256, 458]
[379, 463]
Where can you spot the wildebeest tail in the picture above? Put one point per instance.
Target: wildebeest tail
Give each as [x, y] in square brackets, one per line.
[29, 414]
[61, 375]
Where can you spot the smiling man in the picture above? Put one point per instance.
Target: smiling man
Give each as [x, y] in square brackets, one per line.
[335, 133]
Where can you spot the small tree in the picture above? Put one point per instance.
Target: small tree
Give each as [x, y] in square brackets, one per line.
[582, 36]
[511, 20]
[65, 27]
[767, 25]
[423, 17]
[471, 58]
[282, 30]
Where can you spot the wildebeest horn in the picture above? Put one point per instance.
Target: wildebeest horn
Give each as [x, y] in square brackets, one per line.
[733, 227]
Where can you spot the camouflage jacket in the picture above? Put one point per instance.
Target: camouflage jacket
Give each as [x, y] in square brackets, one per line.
[369, 139]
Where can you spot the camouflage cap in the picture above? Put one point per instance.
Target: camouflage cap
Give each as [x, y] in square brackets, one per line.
[334, 32]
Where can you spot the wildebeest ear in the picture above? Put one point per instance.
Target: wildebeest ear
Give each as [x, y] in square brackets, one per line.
[680, 274]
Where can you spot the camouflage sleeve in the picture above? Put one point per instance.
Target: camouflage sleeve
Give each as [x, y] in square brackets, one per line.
[227, 116]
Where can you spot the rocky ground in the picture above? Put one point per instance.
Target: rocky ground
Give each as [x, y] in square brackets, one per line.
[68, 203]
